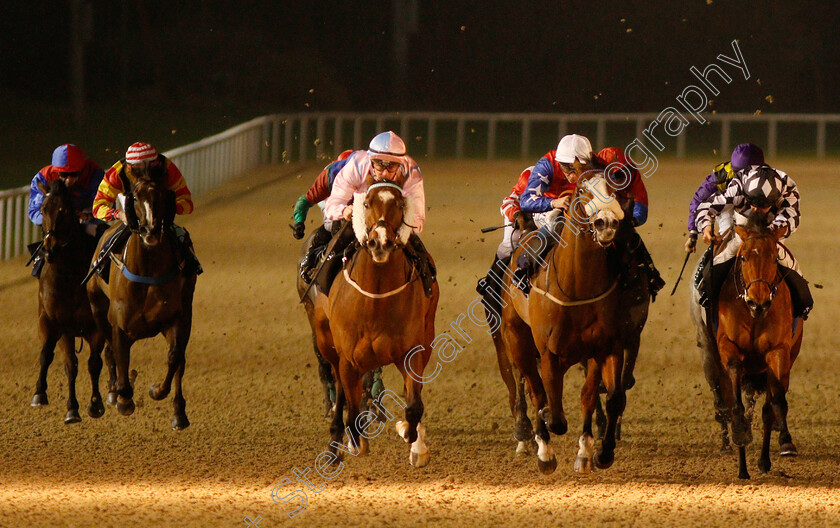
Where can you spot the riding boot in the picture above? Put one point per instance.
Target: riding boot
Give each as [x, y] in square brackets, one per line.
[713, 278]
[115, 243]
[800, 294]
[490, 287]
[706, 258]
[526, 264]
[641, 257]
[417, 253]
[185, 246]
[319, 242]
[342, 249]
[37, 258]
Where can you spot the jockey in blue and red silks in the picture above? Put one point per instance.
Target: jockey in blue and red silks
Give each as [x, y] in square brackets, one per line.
[549, 189]
[82, 177]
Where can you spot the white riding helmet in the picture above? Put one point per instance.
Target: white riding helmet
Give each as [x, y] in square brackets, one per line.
[573, 146]
[387, 146]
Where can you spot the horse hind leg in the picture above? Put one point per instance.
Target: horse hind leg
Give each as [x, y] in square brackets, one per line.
[122, 357]
[71, 368]
[524, 430]
[326, 377]
[353, 383]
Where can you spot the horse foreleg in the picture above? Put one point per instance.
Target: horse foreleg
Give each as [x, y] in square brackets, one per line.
[111, 363]
[731, 389]
[71, 369]
[589, 398]
[552, 375]
[615, 404]
[95, 341]
[48, 340]
[778, 381]
[352, 381]
[411, 430]
[159, 391]
[122, 357]
[182, 337]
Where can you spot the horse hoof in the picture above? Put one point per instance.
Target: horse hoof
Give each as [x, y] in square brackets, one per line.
[583, 464]
[180, 423]
[764, 465]
[522, 448]
[156, 393]
[419, 460]
[788, 449]
[603, 461]
[96, 409]
[72, 417]
[40, 399]
[743, 475]
[742, 437]
[111, 399]
[125, 409]
[548, 467]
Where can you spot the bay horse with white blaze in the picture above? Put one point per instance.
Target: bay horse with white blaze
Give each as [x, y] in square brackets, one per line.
[146, 294]
[63, 309]
[377, 314]
[757, 336]
[573, 315]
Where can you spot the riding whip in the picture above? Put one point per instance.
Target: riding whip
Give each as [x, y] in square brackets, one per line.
[687, 255]
[488, 229]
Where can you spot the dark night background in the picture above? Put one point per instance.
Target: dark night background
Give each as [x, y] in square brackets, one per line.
[204, 66]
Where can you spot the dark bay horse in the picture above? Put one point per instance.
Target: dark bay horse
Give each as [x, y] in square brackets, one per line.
[377, 314]
[63, 309]
[757, 336]
[572, 316]
[146, 294]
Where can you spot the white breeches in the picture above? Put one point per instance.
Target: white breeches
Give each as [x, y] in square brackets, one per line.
[509, 242]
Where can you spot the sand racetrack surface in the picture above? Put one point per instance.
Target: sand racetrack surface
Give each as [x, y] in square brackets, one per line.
[254, 400]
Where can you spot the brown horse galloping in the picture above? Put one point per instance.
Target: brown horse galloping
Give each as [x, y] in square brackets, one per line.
[63, 307]
[573, 315]
[377, 314]
[146, 294]
[757, 335]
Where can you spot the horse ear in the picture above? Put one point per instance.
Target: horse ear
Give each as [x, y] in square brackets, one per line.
[577, 165]
[43, 188]
[742, 232]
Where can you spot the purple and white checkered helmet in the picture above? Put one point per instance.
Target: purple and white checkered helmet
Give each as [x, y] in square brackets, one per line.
[762, 187]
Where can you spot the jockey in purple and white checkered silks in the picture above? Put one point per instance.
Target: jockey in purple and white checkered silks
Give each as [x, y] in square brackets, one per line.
[771, 197]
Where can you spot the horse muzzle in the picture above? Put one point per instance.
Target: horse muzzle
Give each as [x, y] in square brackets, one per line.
[758, 309]
[380, 244]
[606, 227]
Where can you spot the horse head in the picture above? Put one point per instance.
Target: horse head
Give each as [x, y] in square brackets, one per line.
[151, 211]
[756, 271]
[59, 218]
[593, 204]
[378, 220]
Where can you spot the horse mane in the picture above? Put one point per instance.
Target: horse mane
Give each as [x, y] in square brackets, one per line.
[759, 222]
[58, 186]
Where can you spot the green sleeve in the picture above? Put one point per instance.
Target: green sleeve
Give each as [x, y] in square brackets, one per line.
[301, 209]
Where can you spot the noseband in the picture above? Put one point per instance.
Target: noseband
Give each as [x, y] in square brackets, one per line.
[391, 232]
[589, 226]
[741, 284]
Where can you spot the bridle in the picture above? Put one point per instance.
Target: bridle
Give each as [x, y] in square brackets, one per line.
[590, 226]
[741, 284]
[390, 231]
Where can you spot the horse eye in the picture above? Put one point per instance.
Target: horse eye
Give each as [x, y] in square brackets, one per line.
[367, 205]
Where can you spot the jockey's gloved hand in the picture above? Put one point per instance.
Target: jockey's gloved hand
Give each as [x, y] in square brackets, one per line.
[691, 242]
[298, 230]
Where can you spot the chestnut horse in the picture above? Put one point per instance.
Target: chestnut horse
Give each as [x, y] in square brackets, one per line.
[146, 294]
[573, 315]
[63, 308]
[377, 314]
[757, 335]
